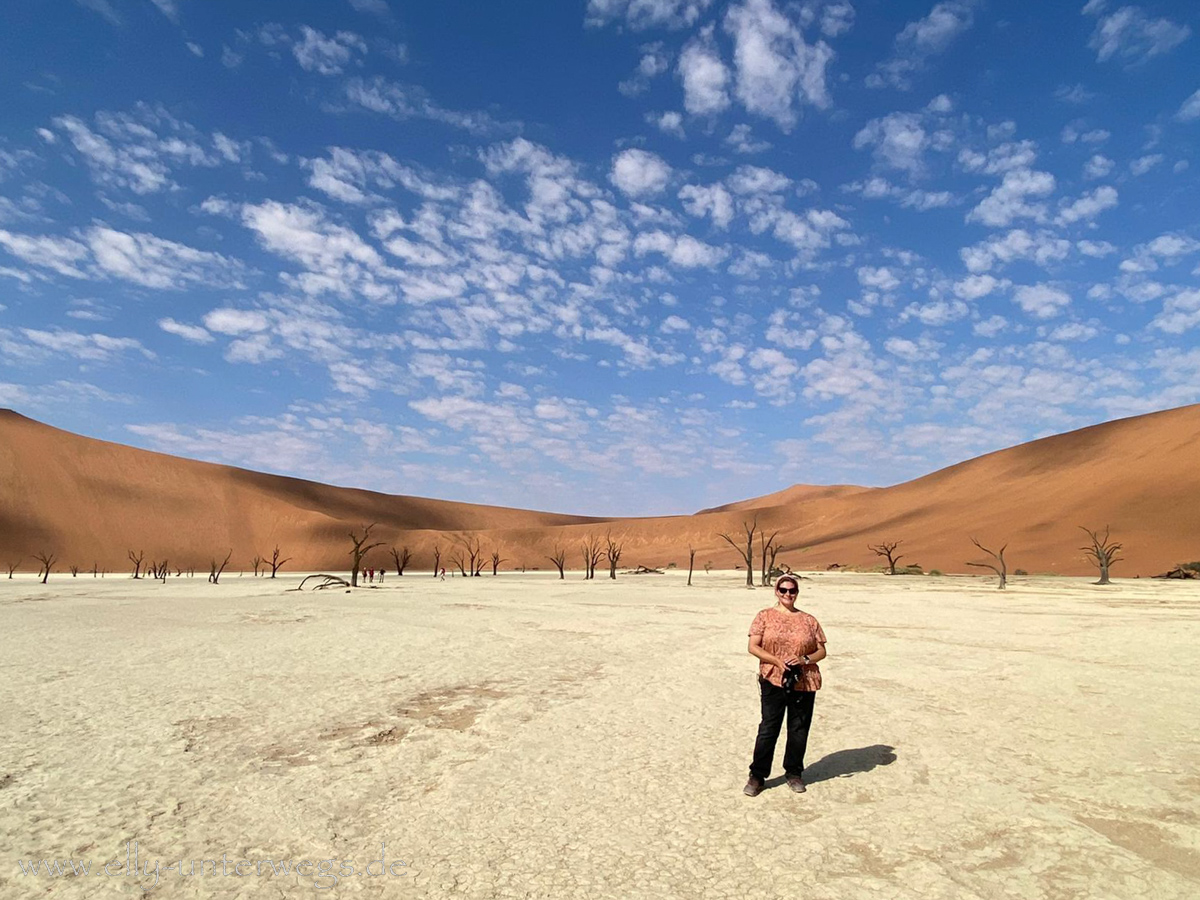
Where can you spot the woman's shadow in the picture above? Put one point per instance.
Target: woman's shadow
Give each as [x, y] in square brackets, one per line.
[844, 763]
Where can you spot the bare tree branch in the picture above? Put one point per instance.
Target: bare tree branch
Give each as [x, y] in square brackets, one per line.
[1000, 567]
[748, 553]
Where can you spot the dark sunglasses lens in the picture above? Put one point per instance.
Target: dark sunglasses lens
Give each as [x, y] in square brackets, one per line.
[789, 591]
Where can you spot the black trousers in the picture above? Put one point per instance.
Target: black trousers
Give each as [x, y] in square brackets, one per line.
[799, 708]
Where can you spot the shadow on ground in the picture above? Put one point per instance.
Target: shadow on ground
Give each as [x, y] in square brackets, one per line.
[844, 763]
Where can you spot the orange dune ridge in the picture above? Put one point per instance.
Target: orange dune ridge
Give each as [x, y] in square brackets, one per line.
[90, 502]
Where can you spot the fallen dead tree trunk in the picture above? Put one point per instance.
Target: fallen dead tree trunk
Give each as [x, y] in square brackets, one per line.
[330, 581]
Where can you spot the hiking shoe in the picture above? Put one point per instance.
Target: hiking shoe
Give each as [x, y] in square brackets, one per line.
[796, 783]
[753, 787]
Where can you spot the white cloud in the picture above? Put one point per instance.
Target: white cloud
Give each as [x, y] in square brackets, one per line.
[1097, 167]
[741, 140]
[1073, 93]
[1007, 157]
[141, 258]
[86, 347]
[922, 39]
[1043, 248]
[654, 62]
[1095, 249]
[705, 77]
[877, 188]
[1130, 36]
[713, 200]
[990, 327]
[777, 70]
[403, 102]
[1073, 331]
[235, 321]
[668, 123]
[974, 287]
[326, 55]
[374, 7]
[835, 17]
[1010, 199]
[168, 8]
[193, 333]
[138, 150]
[1144, 164]
[639, 172]
[1189, 111]
[102, 8]
[674, 325]
[1042, 300]
[684, 251]
[1180, 313]
[757, 180]
[61, 255]
[1088, 206]
[643, 14]
[880, 278]
[154, 262]
[898, 141]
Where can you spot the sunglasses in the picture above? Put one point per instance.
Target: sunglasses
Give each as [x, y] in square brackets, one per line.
[788, 590]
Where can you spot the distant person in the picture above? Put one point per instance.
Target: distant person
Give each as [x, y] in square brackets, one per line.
[788, 643]
[371, 575]
[443, 573]
[381, 571]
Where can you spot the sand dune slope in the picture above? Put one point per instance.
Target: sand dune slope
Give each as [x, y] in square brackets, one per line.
[91, 501]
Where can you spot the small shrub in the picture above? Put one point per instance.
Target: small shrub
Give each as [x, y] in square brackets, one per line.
[1193, 566]
[1020, 572]
[670, 565]
[935, 571]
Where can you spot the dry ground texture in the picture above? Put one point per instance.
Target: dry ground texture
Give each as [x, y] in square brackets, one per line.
[528, 737]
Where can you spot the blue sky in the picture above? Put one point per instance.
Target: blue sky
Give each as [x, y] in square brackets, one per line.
[607, 256]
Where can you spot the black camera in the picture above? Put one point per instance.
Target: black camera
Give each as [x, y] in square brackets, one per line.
[791, 677]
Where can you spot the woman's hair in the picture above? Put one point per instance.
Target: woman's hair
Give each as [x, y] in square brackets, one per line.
[782, 578]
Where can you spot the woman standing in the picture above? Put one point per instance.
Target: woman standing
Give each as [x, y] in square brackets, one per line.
[788, 643]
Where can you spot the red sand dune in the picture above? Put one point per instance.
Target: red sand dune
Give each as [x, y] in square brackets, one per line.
[91, 501]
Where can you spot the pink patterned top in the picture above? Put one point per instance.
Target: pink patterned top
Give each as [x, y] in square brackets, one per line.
[786, 635]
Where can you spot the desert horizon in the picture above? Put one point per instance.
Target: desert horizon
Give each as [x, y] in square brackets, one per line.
[92, 503]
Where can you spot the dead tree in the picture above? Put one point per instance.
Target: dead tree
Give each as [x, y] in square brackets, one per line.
[330, 581]
[402, 557]
[767, 545]
[470, 559]
[214, 573]
[277, 563]
[359, 550]
[691, 563]
[137, 562]
[12, 567]
[257, 562]
[47, 560]
[74, 570]
[613, 551]
[748, 553]
[163, 571]
[95, 570]
[888, 549]
[437, 560]
[559, 559]
[1102, 552]
[496, 560]
[593, 551]
[1000, 567]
